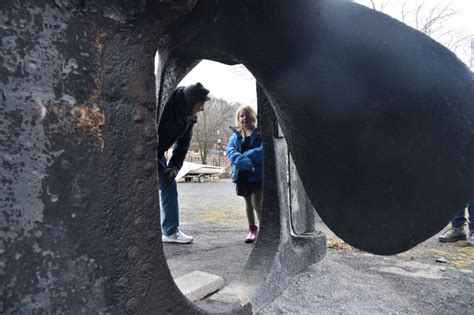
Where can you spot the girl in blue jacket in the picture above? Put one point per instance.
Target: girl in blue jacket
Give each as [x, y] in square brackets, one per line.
[245, 152]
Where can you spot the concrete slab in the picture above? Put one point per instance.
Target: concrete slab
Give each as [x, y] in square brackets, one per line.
[197, 284]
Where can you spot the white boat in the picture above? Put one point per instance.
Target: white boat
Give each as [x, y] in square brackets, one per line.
[198, 171]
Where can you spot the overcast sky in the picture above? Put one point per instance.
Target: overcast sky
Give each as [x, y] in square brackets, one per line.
[236, 84]
[232, 83]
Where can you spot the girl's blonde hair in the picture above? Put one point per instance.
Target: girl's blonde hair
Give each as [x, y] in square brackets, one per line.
[250, 111]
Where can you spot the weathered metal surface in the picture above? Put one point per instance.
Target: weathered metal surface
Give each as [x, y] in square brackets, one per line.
[301, 209]
[79, 226]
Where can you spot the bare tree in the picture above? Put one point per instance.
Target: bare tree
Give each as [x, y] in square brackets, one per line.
[431, 18]
[379, 5]
[213, 123]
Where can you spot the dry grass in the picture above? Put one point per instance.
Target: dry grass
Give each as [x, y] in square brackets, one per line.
[336, 243]
[459, 254]
[233, 218]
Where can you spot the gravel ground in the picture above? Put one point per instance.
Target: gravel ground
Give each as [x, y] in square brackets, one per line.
[345, 281]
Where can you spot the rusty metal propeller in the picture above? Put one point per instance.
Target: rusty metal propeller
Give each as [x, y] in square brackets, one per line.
[377, 115]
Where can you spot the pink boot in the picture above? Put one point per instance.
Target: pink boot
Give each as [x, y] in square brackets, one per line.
[253, 232]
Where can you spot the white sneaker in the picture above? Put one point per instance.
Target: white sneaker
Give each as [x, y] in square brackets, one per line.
[178, 237]
[470, 239]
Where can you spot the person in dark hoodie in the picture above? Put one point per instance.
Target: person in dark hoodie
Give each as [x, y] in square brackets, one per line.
[176, 130]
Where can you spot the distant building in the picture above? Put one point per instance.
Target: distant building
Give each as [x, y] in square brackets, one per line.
[215, 157]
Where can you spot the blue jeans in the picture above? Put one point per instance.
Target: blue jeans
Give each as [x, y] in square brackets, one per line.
[459, 220]
[169, 206]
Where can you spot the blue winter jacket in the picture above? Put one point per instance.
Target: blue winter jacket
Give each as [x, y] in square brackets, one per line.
[251, 160]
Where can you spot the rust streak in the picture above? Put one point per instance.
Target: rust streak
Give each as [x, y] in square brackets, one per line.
[77, 120]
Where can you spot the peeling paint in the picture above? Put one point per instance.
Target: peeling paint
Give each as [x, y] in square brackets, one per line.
[82, 119]
[31, 262]
[98, 80]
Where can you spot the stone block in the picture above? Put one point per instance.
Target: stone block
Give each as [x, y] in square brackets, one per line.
[197, 284]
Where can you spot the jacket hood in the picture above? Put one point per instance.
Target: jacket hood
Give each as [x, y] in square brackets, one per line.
[186, 108]
[195, 93]
[236, 130]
